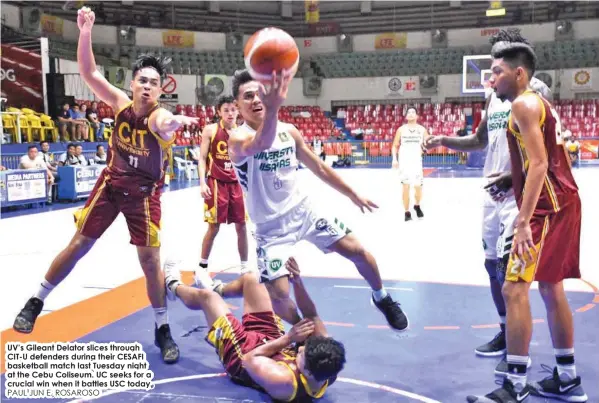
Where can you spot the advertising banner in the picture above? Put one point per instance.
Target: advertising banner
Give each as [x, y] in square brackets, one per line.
[22, 79]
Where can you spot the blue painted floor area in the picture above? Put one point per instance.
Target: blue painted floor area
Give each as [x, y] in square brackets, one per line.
[382, 366]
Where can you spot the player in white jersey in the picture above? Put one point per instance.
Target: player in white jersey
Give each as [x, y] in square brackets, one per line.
[410, 139]
[499, 208]
[265, 153]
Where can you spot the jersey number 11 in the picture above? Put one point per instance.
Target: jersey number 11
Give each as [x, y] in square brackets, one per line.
[133, 161]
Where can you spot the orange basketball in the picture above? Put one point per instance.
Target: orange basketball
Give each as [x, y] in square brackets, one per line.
[270, 49]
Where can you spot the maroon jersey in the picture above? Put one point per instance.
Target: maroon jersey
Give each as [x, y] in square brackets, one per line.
[137, 157]
[559, 187]
[219, 163]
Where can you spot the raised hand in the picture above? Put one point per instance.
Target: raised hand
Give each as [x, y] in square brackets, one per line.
[276, 94]
[301, 330]
[85, 19]
[294, 270]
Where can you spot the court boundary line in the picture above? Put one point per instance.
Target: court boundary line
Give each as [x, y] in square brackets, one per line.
[357, 382]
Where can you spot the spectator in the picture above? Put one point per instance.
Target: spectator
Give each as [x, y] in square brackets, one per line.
[69, 158]
[186, 132]
[65, 122]
[34, 161]
[81, 123]
[318, 148]
[194, 151]
[79, 155]
[48, 158]
[97, 126]
[573, 147]
[100, 157]
[3, 168]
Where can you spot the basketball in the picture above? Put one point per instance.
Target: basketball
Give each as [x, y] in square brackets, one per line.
[270, 49]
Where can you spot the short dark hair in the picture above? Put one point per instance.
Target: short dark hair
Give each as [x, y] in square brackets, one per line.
[241, 77]
[157, 63]
[31, 146]
[514, 49]
[325, 357]
[98, 146]
[224, 99]
[44, 142]
[71, 145]
[412, 107]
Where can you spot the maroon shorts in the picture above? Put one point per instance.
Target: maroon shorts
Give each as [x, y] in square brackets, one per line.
[232, 339]
[104, 205]
[226, 204]
[557, 240]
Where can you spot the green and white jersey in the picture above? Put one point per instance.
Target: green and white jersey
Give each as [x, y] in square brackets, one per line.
[269, 178]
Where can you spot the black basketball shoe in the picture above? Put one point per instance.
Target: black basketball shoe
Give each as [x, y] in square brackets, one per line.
[554, 387]
[396, 318]
[505, 394]
[408, 216]
[164, 341]
[419, 212]
[495, 347]
[25, 320]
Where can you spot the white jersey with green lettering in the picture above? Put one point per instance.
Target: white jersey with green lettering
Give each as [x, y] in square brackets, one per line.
[269, 178]
[498, 153]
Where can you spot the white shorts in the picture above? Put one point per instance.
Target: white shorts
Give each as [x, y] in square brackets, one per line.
[498, 227]
[275, 239]
[411, 174]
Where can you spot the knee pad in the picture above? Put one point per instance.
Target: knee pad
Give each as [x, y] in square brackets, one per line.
[491, 266]
[502, 267]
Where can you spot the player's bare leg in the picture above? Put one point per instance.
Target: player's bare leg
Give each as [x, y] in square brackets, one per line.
[559, 314]
[518, 317]
[60, 268]
[206, 300]
[418, 198]
[242, 244]
[207, 243]
[282, 303]
[406, 201]
[351, 248]
[149, 259]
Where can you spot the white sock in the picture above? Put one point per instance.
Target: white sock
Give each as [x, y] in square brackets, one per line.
[517, 370]
[44, 290]
[502, 319]
[380, 294]
[565, 363]
[244, 265]
[161, 315]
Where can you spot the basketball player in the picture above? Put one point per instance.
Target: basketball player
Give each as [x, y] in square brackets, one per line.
[131, 183]
[546, 242]
[223, 197]
[499, 208]
[256, 352]
[265, 153]
[410, 139]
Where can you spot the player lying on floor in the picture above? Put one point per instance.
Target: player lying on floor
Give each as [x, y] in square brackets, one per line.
[256, 352]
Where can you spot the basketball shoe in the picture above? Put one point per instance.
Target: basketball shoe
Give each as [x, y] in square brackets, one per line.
[495, 347]
[396, 318]
[25, 320]
[505, 394]
[553, 387]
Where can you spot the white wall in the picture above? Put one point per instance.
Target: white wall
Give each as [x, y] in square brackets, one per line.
[11, 15]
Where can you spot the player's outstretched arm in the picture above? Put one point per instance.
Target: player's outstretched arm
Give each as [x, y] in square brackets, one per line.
[164, 123]
[108, 93]
[326, 173]
[475, 141]
[302, 298]
[527, 112]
